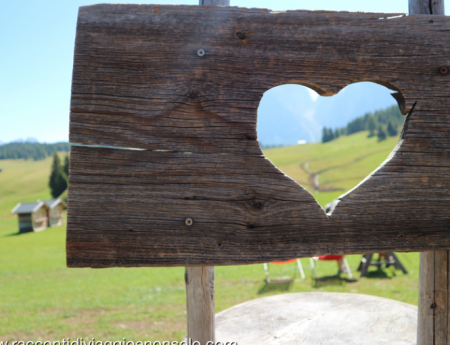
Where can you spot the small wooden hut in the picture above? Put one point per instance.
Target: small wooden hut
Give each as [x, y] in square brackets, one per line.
[32, 216]
[55, 211]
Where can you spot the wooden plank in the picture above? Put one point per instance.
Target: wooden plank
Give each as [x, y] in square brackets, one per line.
[140, 86]
[448, 299]
[200, 280]
[136, 85]
[200, 304]
[432, 318]
[425, 324]
[25, 222]
[365, 267]
[440, 297]
[433, 298]
[133, 205]
[397, 263]
[214, 2]
[435, 7]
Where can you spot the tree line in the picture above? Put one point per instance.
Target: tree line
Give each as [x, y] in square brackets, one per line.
[382, 123]
[59, 175]
[35, 151]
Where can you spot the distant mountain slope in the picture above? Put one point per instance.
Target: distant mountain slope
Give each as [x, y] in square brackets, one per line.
[388, 121]
[31, 150]
[289, 113]
[336, 166]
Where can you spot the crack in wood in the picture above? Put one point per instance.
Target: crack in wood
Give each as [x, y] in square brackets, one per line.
[138, 83]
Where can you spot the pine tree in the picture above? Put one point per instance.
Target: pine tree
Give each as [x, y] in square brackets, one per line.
[327, 135]
[330, 134]
[336, 133]
[392, 131]
[381, 134]
[324, 135]
[58, 179]
[66, 166]
[371, 126]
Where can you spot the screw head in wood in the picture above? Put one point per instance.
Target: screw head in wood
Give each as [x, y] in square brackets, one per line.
[201, 52]
[443, 70]
[188, 221]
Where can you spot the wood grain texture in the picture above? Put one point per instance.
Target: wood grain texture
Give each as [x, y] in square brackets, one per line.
[441, 289]
[434, 290]
[425, 324]
[435, 7]
[433, 286]
[138, 82]
[200, 304]
[214, 2]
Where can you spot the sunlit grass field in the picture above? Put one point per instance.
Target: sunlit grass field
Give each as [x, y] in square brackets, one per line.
[41, 299]
[349, 159]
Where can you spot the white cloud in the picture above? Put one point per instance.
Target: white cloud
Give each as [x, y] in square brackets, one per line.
[313, 94]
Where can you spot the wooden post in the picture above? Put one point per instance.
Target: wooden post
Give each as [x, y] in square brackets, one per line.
[432, 328]
[200, 308]
[426, 7]
[200, 304]
[214, 2]
[433, 318]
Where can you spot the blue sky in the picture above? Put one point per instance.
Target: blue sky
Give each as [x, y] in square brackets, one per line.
[37, 42]
[289, 113]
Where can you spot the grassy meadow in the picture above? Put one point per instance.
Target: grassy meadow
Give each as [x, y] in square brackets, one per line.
[41, 299]
[341, 163]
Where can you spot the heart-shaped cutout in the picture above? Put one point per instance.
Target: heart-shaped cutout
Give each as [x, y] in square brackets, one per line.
[328, 144]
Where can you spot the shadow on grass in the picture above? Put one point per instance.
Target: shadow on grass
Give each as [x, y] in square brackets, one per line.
[379, 274]
[269, 287]
[335, 280]
[17, 234]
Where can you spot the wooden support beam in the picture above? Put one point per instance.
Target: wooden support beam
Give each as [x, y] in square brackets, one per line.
[432, 328]
[214, 2]
[426, 7]
[200, 307]
[425, 327]
[200, 304]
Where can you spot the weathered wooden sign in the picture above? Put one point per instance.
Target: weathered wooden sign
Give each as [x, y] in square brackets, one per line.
[183, 83]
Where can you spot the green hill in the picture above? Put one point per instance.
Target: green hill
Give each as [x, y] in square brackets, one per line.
[22, 181]
[337, 166]
[43, 299]
[383, 123]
